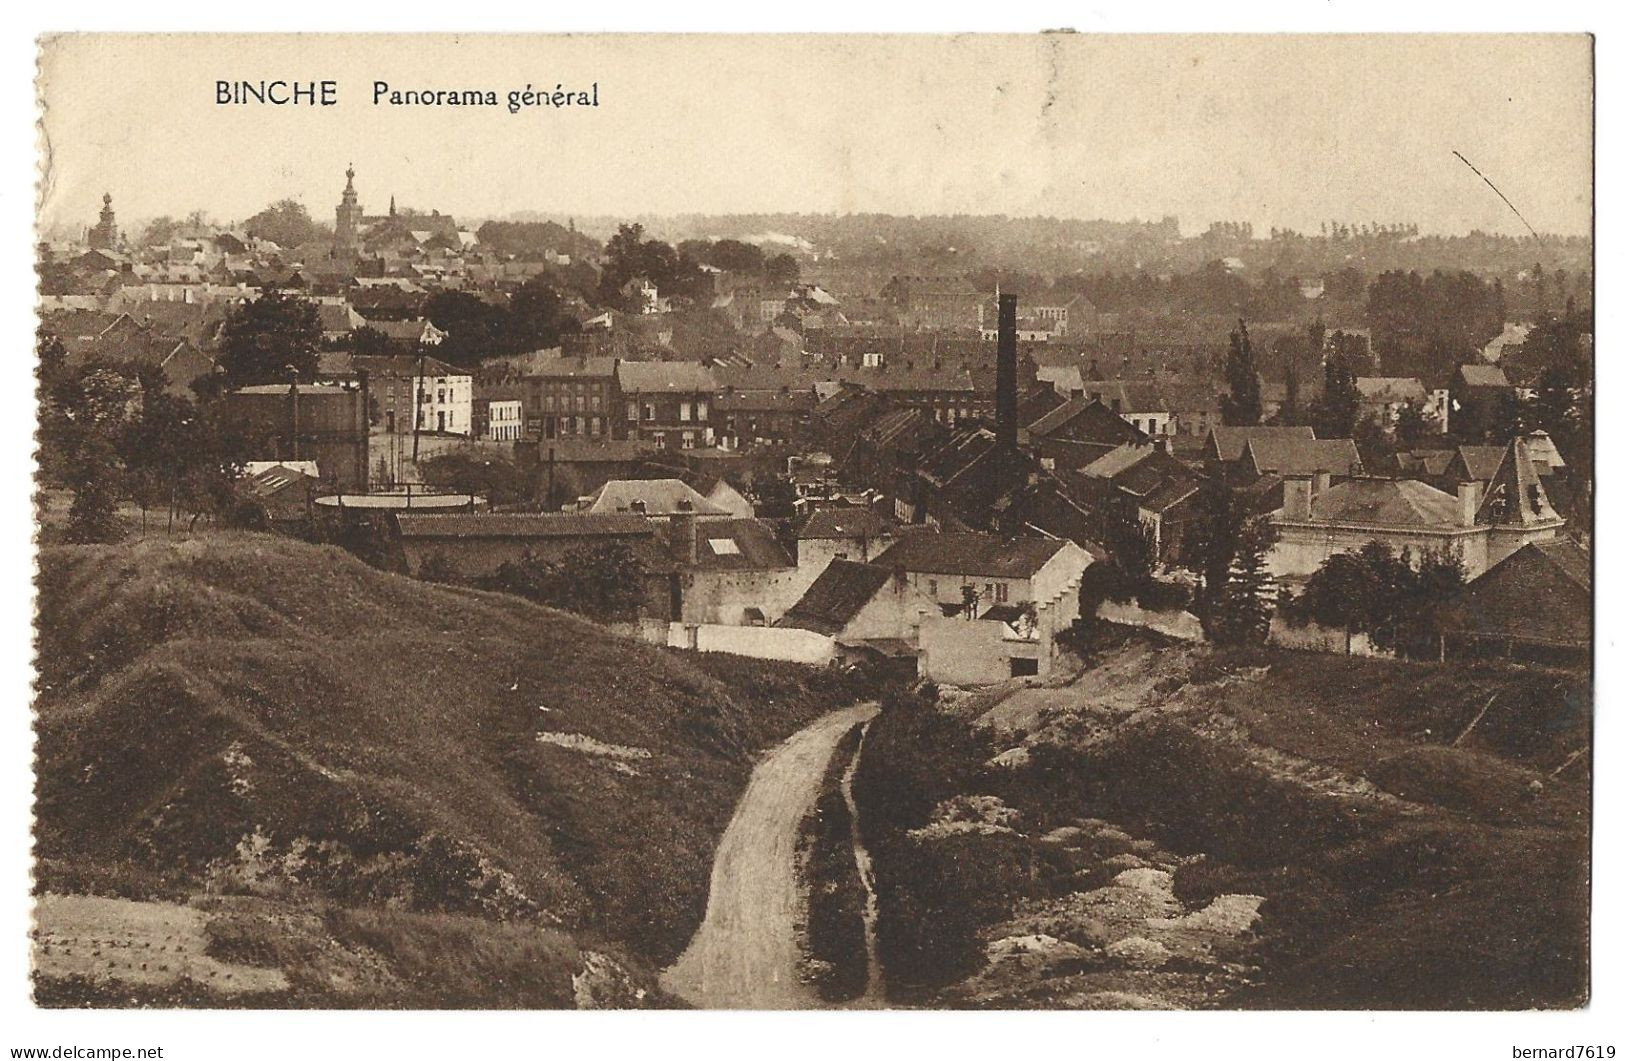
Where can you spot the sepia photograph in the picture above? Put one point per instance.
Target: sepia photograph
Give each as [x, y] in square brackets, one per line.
[1049, 521]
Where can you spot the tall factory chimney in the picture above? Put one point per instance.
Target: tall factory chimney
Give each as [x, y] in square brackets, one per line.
[1004, 407]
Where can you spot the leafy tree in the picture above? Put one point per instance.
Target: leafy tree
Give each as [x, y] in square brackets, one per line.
[273, 339]
[368, 340]
[1376, 448]
[93, 513]
[1334, 413]
[1410, 427]
[537, 316]
[285, 222]
[1244, 405]
[783, 269]
[1400, 601]
[736, 256]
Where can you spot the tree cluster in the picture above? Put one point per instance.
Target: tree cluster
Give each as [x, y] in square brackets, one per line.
[109, 434]
[1403, 602]
[605, 582]
[275, 338]
[535, 317]
[286, 223]
[1425, 326]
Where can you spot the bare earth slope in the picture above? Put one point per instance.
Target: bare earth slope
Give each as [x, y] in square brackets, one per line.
[244, 714]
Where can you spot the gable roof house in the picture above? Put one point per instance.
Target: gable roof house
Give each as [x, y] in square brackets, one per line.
[1479, 524]
[1289, 455]
[1382, 397]
[1228, 444]
[841, 532]
[1003, 600]
[1481, 397]
[732, 572]
[1536, 604]
[135, 347]
[862, 606]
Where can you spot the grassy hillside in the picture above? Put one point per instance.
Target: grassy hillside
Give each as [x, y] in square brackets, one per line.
[246, 714]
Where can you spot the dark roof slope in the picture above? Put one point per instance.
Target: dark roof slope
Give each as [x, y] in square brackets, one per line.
[1293, 455]
[738, 545]
[970, 553]
[525, 525]
[1230, 443]
[836, 597]
[846, 522]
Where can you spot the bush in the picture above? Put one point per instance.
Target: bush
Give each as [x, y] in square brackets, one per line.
[1464, 780]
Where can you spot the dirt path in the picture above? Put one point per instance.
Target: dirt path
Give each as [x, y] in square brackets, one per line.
[745, 954]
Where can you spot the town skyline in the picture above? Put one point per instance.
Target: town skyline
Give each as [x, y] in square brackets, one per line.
[1066, 126]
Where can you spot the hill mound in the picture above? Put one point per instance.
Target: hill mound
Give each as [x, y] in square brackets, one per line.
[238, 713]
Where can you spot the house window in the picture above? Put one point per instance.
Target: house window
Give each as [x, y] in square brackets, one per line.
[1001, 592]
[631, 410]
[700, 411]
[648, 410]
[688, 440]
[685, 411]
[597, 426]
[724, 546]
[933, 584]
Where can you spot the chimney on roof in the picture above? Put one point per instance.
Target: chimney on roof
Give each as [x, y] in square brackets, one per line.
[1298, 498]
[1005, 395]
[685, 538]
[1468, 496]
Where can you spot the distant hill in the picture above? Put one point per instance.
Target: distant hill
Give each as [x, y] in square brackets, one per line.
[244, 714]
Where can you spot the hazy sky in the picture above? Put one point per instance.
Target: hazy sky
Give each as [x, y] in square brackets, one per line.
[1277, 130]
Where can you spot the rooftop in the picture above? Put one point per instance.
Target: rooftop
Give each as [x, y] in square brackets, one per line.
[525, 525]
[845, 522]
[653, 497]
[1231, 442]
[970, 553]
[836, 597]
[1388, 502]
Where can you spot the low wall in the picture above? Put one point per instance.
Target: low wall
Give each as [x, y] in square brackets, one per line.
[1314, 638]
[1181, 624]
[653, 631]
[759, 642]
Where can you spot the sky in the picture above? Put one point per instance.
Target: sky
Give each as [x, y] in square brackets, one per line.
[1277, 130]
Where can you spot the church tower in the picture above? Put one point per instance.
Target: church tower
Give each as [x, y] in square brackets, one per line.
[347, 223]
[105, 235]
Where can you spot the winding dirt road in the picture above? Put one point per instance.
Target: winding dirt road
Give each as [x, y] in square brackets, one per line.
[745, 954]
